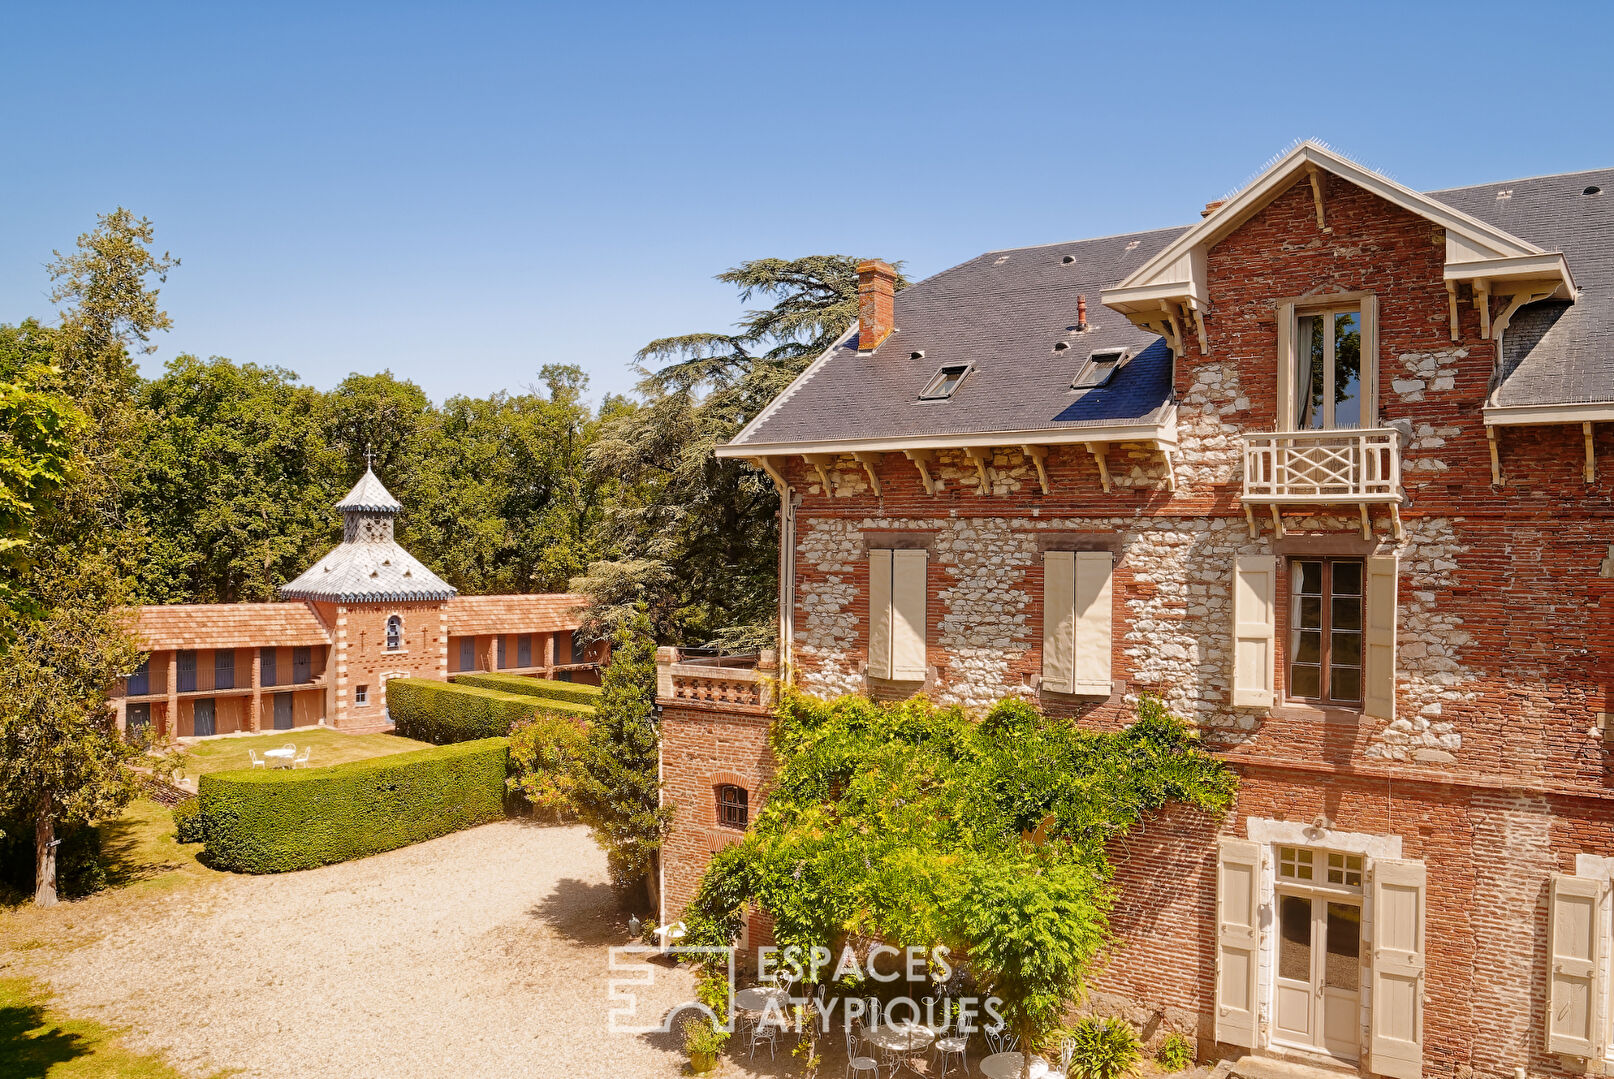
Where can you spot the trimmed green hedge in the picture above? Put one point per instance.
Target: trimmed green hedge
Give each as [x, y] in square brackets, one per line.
[547, 688]
[275, 821]
[443, 713]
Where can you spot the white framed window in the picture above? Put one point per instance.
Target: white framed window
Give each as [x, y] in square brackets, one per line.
[1327, 363]
[361, 694]
[1099, 367]
[1306, 865]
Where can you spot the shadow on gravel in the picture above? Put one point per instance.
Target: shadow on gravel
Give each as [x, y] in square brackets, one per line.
[587, 913]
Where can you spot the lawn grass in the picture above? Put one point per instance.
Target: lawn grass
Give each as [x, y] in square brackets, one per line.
[38, 1043]
[329, 747]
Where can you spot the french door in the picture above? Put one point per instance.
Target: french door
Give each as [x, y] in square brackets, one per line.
[1319, 973]
[283, 712]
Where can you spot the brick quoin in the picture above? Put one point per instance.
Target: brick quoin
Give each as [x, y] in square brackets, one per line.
[1499, 777]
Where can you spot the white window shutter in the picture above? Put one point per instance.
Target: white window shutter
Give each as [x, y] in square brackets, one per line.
[1238, 940]
[908, 615]
[1398, 965]
[1378, 661]
[879, 613]
[1093, 629]
[1059, 621]
[1255, 594]
[1286, 367]
[1575, 926]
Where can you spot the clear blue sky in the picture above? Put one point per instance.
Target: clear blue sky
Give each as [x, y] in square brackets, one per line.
[461, 193]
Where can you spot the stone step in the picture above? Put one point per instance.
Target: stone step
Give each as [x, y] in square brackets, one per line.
[1267, 1067]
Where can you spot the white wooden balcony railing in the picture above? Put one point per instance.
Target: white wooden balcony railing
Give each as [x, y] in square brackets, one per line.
[736, 681]
[1350, 465]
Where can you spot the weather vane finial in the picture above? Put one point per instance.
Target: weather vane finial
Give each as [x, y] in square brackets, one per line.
[369, 458]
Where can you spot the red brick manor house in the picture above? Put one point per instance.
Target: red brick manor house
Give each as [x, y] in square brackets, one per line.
[367, 612]
[1329, 470]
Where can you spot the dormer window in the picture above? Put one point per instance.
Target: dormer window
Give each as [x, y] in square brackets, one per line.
[946, 382]
[1099, 368]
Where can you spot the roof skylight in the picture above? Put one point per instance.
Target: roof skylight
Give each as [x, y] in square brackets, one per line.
[946, 382]
[1099, 368]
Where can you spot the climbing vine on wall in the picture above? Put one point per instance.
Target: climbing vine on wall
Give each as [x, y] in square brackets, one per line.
[919, 825]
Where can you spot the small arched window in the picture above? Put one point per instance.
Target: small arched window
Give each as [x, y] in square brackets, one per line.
[733, 806]
[394, 633]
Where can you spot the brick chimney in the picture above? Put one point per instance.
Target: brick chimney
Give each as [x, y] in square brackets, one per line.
[876, 303]
[1210, 207]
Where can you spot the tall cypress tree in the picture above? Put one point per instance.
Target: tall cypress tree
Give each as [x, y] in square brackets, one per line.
[619, 790]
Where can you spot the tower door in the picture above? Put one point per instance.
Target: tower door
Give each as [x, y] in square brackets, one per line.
[1317, 990]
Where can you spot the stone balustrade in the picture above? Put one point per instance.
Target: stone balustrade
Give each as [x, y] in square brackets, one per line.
[743, 682]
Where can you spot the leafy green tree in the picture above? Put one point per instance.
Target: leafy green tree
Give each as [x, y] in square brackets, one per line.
[37, 428]
[234, 486]
[60, 758]
[711, 524]
[618, 792]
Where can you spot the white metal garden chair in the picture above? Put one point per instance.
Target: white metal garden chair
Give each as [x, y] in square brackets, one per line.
[765, 1030]
[1000, 1040]
[257, 761]
[302, 759]
[856, 1064]
[1067, 1049]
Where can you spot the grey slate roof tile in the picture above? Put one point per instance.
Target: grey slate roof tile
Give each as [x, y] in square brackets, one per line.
[1003, 312]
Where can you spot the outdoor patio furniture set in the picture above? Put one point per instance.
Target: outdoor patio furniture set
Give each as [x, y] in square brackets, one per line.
[284, 757]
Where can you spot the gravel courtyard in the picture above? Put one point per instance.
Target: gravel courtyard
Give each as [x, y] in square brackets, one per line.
[478, 954]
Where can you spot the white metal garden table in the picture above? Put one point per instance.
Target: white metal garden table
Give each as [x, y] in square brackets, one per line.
[283, 754]
[1008, 1065]
[902, 1040]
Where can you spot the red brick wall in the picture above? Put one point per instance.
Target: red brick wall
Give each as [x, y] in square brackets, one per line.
[702, 748]
[362, 658]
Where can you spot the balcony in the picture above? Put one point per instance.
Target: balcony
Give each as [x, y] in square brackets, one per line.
[1356, 466]
[726, 683]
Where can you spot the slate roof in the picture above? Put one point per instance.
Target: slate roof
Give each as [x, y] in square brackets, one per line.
[1004, 311]
[361, 569]
[228, 625]
[472, 615]
[1556, 352]
[368, 495]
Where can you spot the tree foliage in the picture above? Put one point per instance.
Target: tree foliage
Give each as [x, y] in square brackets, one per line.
[918, 826]
[695, 536]
[618, 788]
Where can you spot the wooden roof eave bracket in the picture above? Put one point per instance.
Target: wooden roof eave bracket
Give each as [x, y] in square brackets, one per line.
[981, 456]
[921, 460]
[1172, 321]
[1525, 294]
[1171, 465]
[1316, 176]
[870, 461]
[1277, 521]
[1451, 304]
[1491, 437]
[766, 465]
[820, 463]
[1098, 449]
[1249, 519]
[1591, 455]
[1191, 305]
[1482, 300]
[1039, 456]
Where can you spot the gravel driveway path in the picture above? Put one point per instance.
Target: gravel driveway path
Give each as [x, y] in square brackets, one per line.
[478, 954]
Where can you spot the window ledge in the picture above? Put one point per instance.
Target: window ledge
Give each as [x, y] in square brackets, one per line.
[1318, 713]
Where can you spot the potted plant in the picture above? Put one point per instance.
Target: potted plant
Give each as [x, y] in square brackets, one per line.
[703, 1040]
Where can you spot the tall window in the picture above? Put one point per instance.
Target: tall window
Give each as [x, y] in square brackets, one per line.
[185, 664]
[224, 669]
[1325, 635]
[524, 650]
[302, 666]
[1328, 347]
[503, 654]
[140, 679]
[266, 667]
[467, 653]
[394, 633]
[733, 806]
